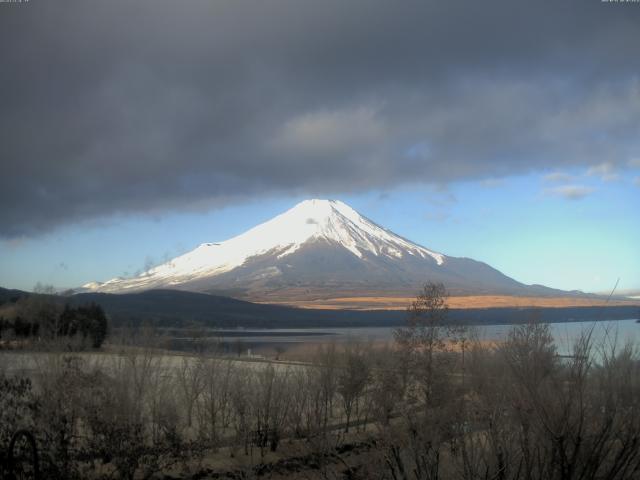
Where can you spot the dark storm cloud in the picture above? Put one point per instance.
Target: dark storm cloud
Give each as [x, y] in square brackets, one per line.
[118, 107]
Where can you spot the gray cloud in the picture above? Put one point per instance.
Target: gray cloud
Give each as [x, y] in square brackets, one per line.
[120, 107]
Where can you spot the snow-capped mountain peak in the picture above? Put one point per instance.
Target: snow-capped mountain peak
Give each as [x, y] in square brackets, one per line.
[330, 220]
[307, 222]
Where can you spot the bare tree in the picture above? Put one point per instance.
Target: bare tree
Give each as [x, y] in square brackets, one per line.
[424, 339]
[241, 391]
[353, 378]
[214, 407]
[389, 385]
[327, 382]
[271, 402]
[190, 376]
[299, 402]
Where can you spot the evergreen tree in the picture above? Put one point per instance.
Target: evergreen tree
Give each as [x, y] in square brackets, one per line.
[99, 327]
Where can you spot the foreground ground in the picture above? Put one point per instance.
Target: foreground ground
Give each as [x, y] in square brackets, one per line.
[437, 405]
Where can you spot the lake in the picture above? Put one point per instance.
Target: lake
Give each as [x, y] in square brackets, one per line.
[270, 341]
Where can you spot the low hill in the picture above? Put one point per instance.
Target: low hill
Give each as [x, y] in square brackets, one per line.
[178, 308]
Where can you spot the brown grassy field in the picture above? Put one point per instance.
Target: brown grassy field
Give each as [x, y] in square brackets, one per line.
[477, 301]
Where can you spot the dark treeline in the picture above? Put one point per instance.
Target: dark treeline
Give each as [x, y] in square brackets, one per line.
[87, 321]
[42, 318]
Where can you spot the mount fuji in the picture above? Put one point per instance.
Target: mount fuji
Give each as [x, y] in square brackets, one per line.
[319, 249]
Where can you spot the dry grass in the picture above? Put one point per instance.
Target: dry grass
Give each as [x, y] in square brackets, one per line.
[476, 301]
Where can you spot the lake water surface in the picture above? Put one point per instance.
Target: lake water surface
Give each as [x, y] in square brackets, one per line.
[263, 341]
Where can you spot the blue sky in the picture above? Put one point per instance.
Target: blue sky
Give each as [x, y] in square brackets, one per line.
[520, 225]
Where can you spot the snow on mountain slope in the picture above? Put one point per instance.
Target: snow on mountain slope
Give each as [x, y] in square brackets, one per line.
[308, 222]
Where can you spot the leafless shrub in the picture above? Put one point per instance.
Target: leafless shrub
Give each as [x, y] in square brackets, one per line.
[539, 416]
[353, 379]
[214, 407]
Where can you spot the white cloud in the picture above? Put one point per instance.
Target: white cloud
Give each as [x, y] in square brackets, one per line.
[636, 181]
[605, 171]
[634, 162]
[571, 192]
[557, 177]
